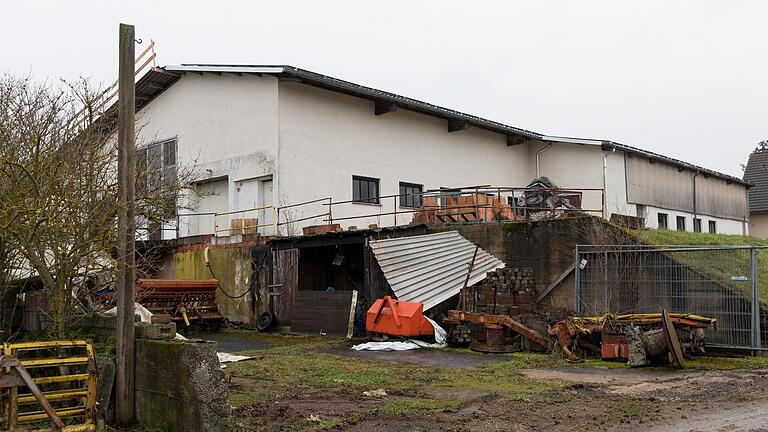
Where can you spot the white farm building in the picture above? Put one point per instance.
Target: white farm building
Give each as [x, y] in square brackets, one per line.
[288, 142]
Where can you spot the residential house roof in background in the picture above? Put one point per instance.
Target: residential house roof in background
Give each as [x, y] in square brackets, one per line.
[159, 79]
[756, 174]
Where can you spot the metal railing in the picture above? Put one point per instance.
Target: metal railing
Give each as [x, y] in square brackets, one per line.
[475, 204]
[244, 227]
[720, 282]
[471, 205]
[250, 221]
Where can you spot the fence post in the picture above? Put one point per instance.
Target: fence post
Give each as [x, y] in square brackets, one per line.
[577, 283]
[275, 220]
[756, 342]
[394, 206]
[605, 283]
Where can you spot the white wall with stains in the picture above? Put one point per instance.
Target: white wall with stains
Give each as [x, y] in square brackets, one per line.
[327, 137]
[227, 129]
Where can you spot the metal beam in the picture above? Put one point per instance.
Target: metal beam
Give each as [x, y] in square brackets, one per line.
[457, 125]
[382, 107]
[516, 140]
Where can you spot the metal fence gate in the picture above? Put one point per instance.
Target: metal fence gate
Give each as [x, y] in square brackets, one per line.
[717, 282]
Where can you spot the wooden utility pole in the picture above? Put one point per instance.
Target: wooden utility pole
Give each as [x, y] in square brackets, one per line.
[126, 226]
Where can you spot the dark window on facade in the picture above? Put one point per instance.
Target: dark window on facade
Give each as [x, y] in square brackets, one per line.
[663, 220]
[156, 177]
[696, 225]
[681, 223]
[365, 190]
[155, 163]
[410, 195]
[713, 227]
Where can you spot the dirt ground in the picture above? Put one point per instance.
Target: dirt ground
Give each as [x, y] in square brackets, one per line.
[311, 383]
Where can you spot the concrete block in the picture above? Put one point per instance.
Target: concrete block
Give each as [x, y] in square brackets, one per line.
[161, 319]
[180, 387]
[155, 331]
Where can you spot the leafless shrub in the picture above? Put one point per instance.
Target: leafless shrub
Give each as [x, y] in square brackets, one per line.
[58, 190]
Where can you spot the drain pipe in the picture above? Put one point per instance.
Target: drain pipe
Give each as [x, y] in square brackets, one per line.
[538, 164]
[605, 182]
[695, 212]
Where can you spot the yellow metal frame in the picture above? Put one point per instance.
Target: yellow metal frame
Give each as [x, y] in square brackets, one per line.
[581, 322]
[51, 370]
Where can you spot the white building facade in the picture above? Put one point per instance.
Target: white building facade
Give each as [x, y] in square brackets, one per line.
[269, 137]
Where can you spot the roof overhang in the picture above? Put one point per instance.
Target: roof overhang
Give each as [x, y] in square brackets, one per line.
[159, 79]
[459, 119]
[611, 145]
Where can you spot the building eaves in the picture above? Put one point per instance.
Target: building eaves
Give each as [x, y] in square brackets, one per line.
[341, 86]
[157, 80]
[608, 145]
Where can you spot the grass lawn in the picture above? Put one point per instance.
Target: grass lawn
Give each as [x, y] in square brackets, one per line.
[303, 375]
[719, 265]
[312, 363]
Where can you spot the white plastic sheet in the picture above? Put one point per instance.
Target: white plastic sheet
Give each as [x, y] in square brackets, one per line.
[230, 358]
[410, 344]
[141, 311]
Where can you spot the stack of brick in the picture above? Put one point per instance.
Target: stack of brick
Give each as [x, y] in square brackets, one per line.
[475, 207]
[507, 291]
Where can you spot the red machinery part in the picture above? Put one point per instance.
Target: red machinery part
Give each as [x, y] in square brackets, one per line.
[397, 318]
[614, 346]
[185, 300]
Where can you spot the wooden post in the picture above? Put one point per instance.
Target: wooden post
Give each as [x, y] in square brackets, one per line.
[126, 278]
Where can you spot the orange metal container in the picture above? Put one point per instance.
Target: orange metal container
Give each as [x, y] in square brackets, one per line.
[397, 318]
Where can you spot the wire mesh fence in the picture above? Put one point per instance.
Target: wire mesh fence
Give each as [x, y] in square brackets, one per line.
[716, 282]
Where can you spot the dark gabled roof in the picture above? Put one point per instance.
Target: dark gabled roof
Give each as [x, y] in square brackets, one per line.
[756, 174]
[340, 86]
[157, 80]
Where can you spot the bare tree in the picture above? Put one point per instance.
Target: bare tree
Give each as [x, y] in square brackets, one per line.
[59, 192]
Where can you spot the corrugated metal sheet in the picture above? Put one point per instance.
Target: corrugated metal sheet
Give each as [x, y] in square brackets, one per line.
[666, 186]
[431, 268]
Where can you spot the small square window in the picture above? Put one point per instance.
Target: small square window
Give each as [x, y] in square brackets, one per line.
[713, 227]
[410, 195]
[696, 225]
[681, 223]
[663, 220]
[365, 190]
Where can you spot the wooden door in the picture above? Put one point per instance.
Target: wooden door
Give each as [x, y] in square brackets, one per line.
[286, 280]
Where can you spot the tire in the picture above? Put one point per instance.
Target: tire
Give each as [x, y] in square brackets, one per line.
[265, 322]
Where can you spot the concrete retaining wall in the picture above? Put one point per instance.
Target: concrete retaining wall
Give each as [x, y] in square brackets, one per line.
[180, 387]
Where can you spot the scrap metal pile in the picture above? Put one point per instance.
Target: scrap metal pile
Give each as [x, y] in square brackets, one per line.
[639, 339]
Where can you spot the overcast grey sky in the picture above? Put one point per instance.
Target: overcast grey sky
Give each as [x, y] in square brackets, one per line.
[688, 79]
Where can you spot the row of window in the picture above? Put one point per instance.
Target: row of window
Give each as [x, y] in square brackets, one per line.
[681, 223]
[366, 190]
